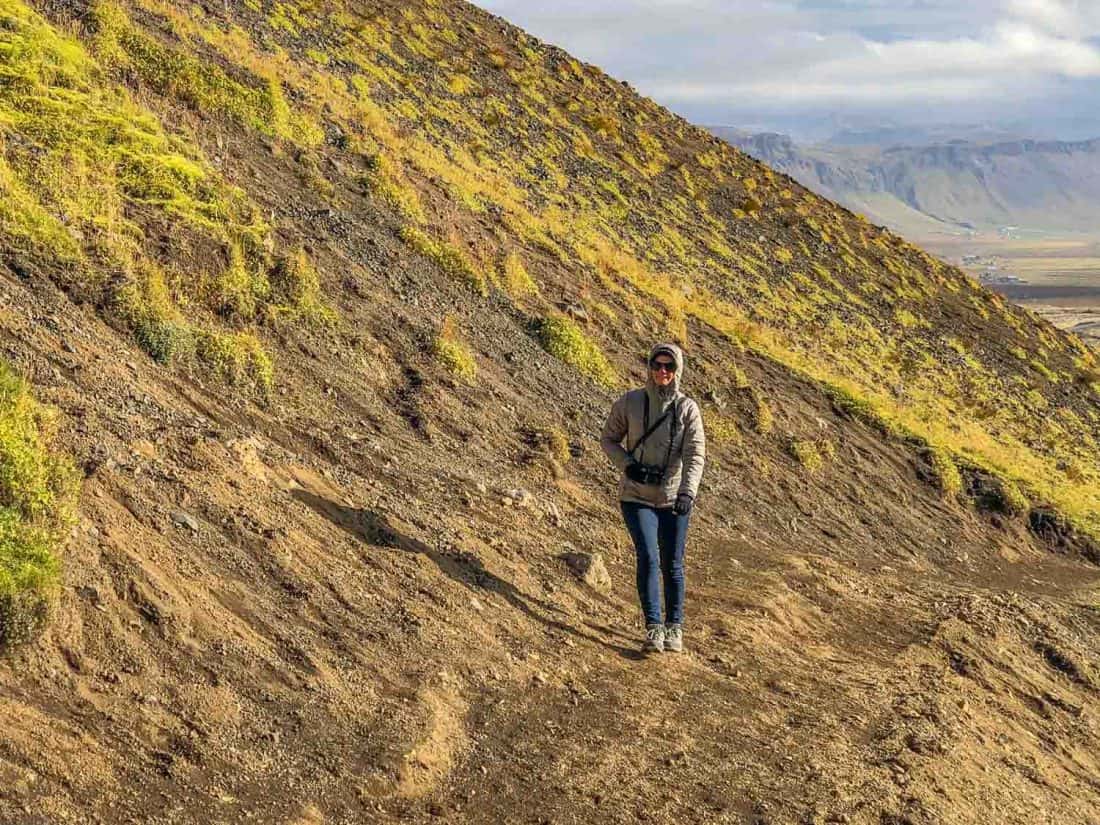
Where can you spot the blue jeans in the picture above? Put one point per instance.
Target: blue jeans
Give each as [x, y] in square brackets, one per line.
[659, 536]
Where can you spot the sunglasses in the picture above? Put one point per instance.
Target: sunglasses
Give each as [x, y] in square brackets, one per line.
[667, 366]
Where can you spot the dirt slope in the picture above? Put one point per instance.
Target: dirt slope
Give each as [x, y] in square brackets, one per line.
[355, 631]
[317, 606]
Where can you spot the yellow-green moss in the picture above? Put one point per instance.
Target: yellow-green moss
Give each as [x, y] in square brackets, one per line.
[808, 455]
[237, 357]
[558, 443]
[91, 167]
[296, 290]
[518, 283]
[720, 429]
[454, 354]
[37, 496]
[946, 472]
[447, 256]
[763, 420]
[1015, 502]
[562, 338]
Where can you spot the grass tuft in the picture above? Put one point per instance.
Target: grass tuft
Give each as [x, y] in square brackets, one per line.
[808, 455]
[296, 290]
[447, 256]
[454, 354]
[946, 472]
[561, 337]
[37, 497]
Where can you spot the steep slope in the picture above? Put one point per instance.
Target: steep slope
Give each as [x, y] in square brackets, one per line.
[947, 187]
[304, 372]
[502, 157]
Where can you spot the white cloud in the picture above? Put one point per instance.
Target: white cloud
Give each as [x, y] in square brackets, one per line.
[1013, 55]
[866, 55]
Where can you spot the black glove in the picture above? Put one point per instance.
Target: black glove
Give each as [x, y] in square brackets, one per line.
[683, 505]
[634, 472]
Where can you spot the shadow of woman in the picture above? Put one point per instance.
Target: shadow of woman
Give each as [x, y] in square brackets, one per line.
[462, 567]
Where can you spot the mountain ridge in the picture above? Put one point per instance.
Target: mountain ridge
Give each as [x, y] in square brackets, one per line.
[956, 186]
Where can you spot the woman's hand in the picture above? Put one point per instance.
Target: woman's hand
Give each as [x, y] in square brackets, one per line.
[683, 505]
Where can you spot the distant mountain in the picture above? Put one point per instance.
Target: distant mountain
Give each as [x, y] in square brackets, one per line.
[951, 186]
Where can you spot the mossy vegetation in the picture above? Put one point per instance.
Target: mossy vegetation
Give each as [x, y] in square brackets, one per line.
[558, 443]
[455, 355]
[37, 498]
[517, 281]
[564, 339]
[946, 472]
[763, 420]
[296, 290]
[92, 174]
[807, 454]
[507, 146]
[448, 256]
[720, 429]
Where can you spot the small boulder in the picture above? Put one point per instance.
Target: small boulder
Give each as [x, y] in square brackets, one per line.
[520, 497]
[590, 568]
[182, 519]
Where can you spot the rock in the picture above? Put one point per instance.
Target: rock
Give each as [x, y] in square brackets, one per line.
[520, 497]
[577, 312]
[144, 449]
[590, 568]
[182, 519]
[553, 512]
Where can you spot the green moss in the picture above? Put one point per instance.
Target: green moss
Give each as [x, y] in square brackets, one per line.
[1015, 502]
[562, 338]
[808, 455]
[946, 471]
[517, 281]
[384, 179]
[447, 256]
[720, 429]
[558, 442]
[296, 290]
[198, 83]
[454, 354]
[239, 358]
[37, 495]
[763, 420]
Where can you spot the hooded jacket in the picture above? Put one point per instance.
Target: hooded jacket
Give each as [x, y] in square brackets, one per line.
[688, 446]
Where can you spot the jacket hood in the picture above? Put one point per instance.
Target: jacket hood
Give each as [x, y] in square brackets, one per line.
[664, 395]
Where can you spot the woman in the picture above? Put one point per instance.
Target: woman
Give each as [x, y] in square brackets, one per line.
[661, 466]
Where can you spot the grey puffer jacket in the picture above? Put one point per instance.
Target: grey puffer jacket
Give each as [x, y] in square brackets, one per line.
[688, 449]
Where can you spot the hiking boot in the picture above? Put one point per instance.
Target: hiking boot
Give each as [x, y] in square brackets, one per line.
[654, 638]
[674, 638]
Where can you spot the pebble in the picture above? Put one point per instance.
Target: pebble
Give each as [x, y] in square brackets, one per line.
[187, 520]
[520, 497]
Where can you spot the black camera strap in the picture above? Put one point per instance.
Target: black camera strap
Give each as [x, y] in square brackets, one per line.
[650, 430]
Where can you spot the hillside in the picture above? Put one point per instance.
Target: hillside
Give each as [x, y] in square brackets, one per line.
[948, 187]
[326, 304]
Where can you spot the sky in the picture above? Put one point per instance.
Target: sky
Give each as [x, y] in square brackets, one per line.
[812, 68]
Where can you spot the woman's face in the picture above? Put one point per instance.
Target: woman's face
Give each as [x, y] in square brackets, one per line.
[663, 370]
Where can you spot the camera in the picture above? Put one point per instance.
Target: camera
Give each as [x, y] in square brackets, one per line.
[645, 473]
